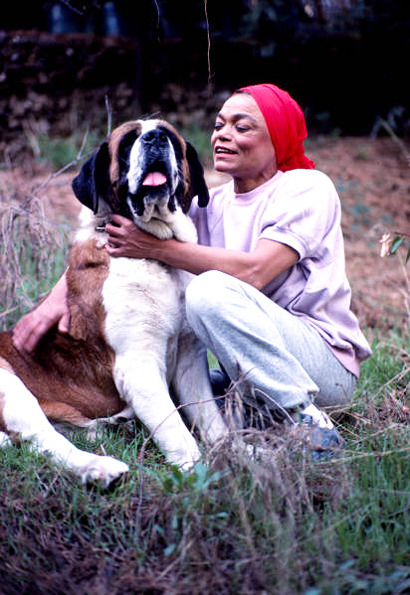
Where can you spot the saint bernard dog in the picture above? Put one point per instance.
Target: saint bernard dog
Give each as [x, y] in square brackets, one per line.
[129, 346]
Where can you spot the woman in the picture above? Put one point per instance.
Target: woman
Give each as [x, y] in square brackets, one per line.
[271, 298]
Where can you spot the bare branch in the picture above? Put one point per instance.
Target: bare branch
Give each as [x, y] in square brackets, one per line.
[109, 115]
[381, 123]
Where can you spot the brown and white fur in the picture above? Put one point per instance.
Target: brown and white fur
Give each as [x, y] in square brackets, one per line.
[129, 344]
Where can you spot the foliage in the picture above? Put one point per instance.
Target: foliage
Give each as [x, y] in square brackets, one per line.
[200, 140]
[391, 243]
[58, 151]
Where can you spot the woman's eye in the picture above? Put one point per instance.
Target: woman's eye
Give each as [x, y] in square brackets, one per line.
[238, 127]
[242, 128]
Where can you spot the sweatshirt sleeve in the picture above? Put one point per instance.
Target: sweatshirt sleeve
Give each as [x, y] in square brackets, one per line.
[306, 209]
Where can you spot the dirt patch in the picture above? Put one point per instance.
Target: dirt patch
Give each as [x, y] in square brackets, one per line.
[373, 180]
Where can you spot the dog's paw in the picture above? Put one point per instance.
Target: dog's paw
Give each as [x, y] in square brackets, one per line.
[103, 470]
[185, 459]
[187, 466]
[4, 440]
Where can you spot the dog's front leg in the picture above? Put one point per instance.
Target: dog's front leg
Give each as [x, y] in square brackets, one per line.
[23, 419]
[141, 383]
[4, 440]
[192, 386]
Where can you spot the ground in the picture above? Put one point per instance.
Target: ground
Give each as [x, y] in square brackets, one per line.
[373, 180]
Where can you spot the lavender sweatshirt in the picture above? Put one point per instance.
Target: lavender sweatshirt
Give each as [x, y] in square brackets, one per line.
[299, 208]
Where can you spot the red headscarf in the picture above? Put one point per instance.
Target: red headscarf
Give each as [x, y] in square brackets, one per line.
[286, 125]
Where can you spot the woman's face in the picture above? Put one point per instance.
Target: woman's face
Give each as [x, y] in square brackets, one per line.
[241, 143]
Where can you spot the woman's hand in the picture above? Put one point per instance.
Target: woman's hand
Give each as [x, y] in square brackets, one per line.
[126, 239]
[51, 311]
[258, 268]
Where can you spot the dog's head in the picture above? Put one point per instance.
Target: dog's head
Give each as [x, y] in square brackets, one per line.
[145, 170]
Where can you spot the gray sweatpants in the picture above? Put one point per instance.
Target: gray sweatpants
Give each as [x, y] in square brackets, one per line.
[281, 356]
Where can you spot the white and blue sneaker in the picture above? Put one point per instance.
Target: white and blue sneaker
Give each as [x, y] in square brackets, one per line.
[322, 437]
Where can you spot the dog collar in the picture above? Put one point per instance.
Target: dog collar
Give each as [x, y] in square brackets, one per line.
[100, 226]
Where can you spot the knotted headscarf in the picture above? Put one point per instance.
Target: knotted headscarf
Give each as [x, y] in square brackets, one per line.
[286, 125]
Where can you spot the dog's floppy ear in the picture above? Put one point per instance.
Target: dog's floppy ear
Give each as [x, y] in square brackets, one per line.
[196, 171]
[93, 179]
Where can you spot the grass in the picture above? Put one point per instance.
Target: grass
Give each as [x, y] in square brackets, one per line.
[57, 152]
[285, 524]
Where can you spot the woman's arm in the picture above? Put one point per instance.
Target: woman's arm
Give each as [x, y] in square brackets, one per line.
[257, 268]
[49, 312]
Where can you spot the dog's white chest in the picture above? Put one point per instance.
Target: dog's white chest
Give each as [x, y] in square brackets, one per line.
[144, 303]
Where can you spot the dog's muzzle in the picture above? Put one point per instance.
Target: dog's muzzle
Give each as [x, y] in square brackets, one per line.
[153, 175]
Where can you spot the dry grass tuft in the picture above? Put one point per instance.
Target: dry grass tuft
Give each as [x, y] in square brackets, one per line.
[33, 250]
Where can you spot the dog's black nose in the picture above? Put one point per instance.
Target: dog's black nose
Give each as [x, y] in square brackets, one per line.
[153, 136]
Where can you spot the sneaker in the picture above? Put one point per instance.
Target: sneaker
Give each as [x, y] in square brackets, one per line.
[318, 417]
[323, 441]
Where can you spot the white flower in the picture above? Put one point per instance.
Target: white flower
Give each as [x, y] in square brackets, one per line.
[386, 244]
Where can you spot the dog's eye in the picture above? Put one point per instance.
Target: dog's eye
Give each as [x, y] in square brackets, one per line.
[124, 165]
[174, 140]
[126, 143]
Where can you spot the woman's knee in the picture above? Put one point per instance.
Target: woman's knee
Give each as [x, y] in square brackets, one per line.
[203, 294]
[340, 396]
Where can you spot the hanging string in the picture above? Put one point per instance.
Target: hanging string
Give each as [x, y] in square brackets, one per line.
[208, 37]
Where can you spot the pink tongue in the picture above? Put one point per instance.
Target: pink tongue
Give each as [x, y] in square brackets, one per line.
[155, 178]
